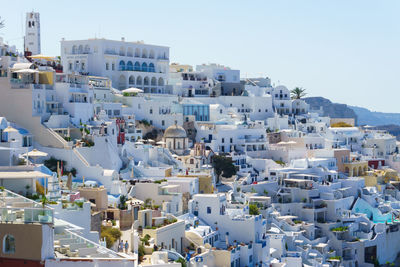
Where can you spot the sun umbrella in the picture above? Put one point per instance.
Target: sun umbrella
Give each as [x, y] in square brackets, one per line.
[132, 90]
[34, 154]
[141, 140]
[160, 143]
[150, 140]
[139, 143]
[69, 181]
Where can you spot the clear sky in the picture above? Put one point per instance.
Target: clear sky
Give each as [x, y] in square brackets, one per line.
[347, 51]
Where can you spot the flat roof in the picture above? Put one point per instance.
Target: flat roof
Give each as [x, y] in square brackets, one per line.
[23, 175]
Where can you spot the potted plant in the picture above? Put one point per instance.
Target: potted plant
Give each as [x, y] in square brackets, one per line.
[42, 216]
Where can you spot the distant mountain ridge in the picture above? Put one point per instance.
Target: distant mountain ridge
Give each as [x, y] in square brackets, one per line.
[365, 116]
[330, 109]
[362, 116]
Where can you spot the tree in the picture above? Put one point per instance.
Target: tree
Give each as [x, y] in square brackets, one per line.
[122, 204]
[253, 209]
[223, 166]
[298, 93]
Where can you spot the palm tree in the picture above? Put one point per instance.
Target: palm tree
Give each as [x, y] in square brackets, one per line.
[298, 93]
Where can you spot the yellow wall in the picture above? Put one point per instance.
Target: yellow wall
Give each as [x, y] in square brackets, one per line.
[46, 77]
[205, 183]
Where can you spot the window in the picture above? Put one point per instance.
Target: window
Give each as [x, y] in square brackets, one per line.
[83, 65]
[208, 210]
[231, 139]
[223, 140]
[162, 122]
[259, 110]
[220, 111]
[151, 122]
[107, 66]
[112, 66]
[151, 111]
[9, 244]
[70, 66]
[266, 110]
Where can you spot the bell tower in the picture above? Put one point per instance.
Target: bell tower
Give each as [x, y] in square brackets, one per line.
[32, 33]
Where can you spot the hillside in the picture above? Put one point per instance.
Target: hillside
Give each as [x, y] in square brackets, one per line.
[365, 116]
[330, 109]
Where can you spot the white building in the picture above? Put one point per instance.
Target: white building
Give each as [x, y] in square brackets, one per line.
[127, 64]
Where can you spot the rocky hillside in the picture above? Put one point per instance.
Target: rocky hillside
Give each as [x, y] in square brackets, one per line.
[365, 116]
[330, 109]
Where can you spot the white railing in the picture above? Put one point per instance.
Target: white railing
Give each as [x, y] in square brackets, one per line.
[82, 158]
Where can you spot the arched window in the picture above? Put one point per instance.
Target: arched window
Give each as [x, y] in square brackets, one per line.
[146, 80]
[80, 49]
[160, 82]
[153, 81]
[151, 67]
[9, 244]
[129, 65]
[137, 52]
[144, 53]
[139, 80]
[151, 55]
[121, 65]
[74, 49]
[131, 80]
[144, 66]
[137, 66]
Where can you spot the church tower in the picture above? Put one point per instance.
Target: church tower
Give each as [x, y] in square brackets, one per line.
[32, 33]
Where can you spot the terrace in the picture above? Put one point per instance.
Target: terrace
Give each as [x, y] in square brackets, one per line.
[15, 208]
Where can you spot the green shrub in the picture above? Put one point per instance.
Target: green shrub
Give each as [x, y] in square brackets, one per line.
[340, 229]
[110, 234]
[182, 262]
[253, 209]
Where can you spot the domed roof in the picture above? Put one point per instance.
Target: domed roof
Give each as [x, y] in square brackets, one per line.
[175, 131]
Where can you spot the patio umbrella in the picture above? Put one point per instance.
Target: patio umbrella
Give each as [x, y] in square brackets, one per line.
[132, 90]
[26, 71]
[150, 140]
[139, 143]
[34, 154]
[69, 181]
[160, 143]
[40, 56]
[141, 140]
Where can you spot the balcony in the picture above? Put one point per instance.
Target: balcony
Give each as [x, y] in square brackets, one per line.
[15, 208]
